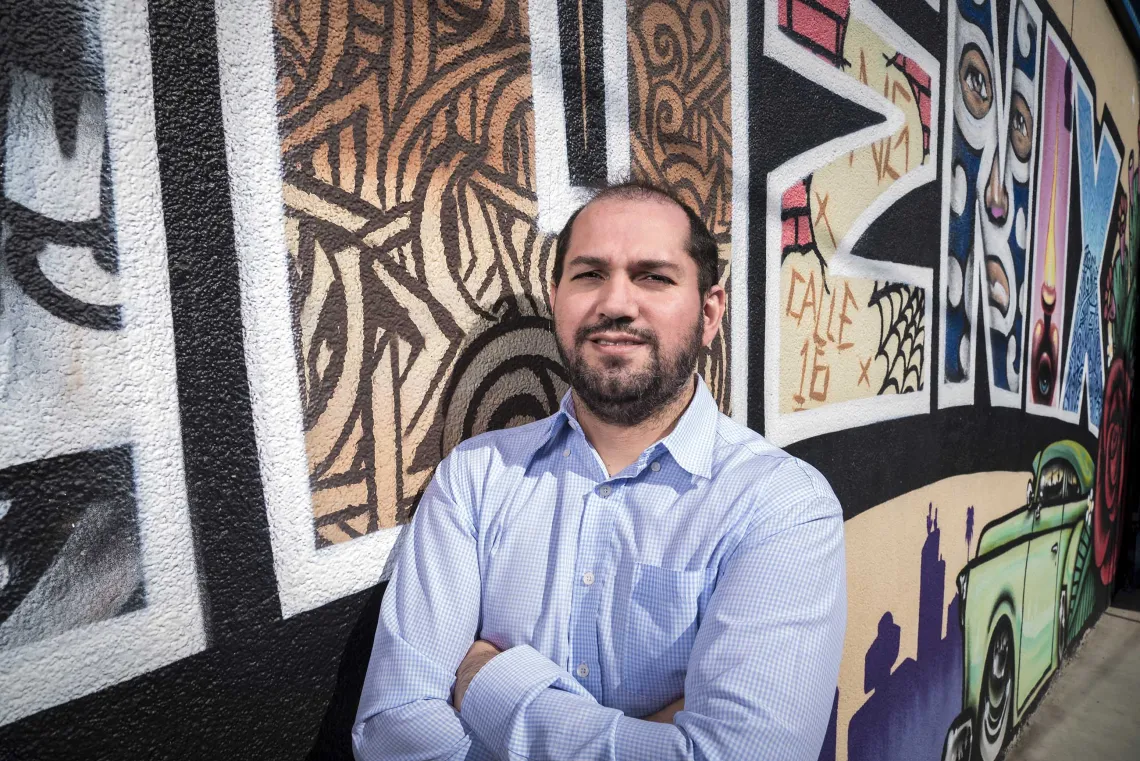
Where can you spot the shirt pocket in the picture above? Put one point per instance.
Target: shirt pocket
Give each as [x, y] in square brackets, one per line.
[664, 612]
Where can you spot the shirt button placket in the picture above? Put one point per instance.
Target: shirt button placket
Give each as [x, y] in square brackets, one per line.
[594, 557]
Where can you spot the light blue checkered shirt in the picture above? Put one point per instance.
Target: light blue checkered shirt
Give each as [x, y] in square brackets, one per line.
[712, 567]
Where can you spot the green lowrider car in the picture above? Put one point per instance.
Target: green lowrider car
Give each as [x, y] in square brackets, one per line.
[1017, 599]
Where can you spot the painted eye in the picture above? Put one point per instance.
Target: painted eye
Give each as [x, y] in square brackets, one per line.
[975, 82]
[1020, 127]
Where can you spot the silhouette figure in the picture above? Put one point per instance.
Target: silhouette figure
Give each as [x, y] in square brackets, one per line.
[910, 707]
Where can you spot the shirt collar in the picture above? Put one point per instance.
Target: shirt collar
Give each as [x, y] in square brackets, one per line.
[690, 442]
[692, 439]
[564, 416]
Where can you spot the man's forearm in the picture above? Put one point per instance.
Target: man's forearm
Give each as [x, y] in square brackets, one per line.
[478, 655]
[666, 714]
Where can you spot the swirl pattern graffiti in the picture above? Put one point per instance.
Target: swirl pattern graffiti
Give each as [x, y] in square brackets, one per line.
[406, 144]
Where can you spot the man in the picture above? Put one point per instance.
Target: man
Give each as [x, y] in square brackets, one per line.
[634, 577]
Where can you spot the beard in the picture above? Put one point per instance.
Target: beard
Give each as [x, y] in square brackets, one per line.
[623, 396]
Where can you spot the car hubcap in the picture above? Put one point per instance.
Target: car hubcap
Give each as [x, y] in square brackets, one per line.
[995, 711]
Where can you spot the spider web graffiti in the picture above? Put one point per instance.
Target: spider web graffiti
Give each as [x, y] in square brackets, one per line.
[902, 314]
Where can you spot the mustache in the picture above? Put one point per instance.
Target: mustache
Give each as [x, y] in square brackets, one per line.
[587, 332]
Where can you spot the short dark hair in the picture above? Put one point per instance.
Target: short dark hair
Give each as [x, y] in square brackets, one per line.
[701, 245]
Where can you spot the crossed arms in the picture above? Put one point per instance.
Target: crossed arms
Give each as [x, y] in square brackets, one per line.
[759, 684]
[482, 651]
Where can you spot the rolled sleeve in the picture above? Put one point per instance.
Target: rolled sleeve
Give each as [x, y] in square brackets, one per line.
[498, 695]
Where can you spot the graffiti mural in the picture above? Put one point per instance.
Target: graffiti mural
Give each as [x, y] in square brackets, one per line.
[951, 671]
[358, 167]
[1040, 572]
[1051, 231]
[937, 311]
[398, 173]
[1099, 169]
[418, 229]
[1024, 596]
[852, 332]
[681, 127]
[883, 727]
[900, 683]
[1118, 305]
[989, 162]
[97, 570]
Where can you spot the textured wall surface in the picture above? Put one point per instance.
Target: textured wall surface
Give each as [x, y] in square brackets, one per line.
[96, 548]
[263, 264]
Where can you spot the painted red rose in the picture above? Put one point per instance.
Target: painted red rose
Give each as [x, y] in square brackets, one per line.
[1111, 467]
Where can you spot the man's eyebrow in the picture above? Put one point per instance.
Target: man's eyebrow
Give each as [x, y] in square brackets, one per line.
[588, 261]
[655, 264]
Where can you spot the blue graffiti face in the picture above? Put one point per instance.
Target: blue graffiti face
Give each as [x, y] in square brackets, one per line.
[991, 163]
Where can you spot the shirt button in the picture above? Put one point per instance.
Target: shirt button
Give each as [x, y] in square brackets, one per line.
[588, 578]
[605, 491]
[656, 466]
[566, 452]
[583, 670]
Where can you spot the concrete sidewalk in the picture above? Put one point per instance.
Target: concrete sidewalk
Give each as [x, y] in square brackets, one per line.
[1092, 709]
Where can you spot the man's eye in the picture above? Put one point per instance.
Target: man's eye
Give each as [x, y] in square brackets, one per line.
[658, 278]
[590, 274]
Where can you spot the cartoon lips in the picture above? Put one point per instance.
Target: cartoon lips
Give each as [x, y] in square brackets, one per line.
[998, 283]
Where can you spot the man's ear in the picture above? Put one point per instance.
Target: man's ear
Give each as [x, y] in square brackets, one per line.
[712, 310]
[553, 293]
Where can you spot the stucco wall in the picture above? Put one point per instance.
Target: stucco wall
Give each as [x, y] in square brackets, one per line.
[264, 264]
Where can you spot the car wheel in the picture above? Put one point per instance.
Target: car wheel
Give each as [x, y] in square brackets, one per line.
[996, 705]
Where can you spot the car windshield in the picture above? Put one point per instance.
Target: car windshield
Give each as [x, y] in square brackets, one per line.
[1057, 483]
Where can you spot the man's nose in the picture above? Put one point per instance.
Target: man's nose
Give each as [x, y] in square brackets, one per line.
[617, 299]
[997, 200]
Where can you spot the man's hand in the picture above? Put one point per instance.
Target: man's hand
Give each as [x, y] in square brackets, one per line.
[665, 715]
[477, 656]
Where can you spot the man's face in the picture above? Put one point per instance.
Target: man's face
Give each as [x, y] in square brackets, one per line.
[628, 315]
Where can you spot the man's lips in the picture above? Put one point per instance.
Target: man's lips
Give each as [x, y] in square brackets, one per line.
[615, 342]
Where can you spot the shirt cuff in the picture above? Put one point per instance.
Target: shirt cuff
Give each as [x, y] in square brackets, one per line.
[503, 686]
